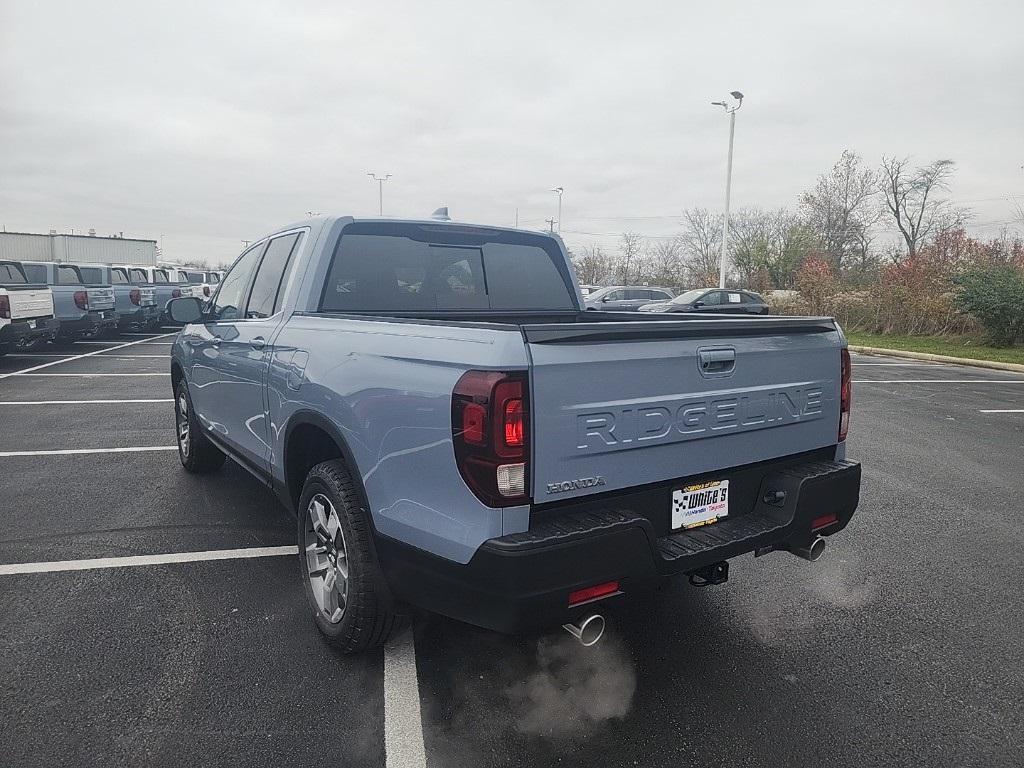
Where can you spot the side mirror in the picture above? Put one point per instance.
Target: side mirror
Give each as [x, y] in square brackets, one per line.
[186, 309]
[697, 304]
[605, 299]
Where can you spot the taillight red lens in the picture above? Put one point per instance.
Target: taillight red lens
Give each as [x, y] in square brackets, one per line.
[824, 521]
[5, 307]
[176, 293]
[845, 394]
[489, 431]
[587, 594]
[81, 299]
[135, 295]
[514, 428]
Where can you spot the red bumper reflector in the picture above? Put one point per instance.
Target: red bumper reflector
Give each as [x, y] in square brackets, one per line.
[592, 593]
[824, 521]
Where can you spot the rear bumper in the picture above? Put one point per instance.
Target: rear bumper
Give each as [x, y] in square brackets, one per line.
[522, 581]
[24, 333]
[140, 317]
[92, 323]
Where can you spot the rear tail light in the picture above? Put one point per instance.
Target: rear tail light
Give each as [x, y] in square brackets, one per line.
[135, 295]
[82, 299]
[176, 293]
[845, 394]
[489, 432]
[5, 307]
[206, 291]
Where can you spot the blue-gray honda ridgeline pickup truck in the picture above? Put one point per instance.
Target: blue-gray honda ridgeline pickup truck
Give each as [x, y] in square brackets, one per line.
[456, 433]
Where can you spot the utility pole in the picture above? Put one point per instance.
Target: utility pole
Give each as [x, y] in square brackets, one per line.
[551, 224]
[380, 187]
[559, 190]
[731, 111]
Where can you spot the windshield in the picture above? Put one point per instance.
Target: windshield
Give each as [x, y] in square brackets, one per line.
[688, 297]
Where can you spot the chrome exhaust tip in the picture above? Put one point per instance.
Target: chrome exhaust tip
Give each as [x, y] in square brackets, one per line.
[588, 631]
[812, 552]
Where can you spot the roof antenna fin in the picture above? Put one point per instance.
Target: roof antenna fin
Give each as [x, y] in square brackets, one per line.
[441, 214]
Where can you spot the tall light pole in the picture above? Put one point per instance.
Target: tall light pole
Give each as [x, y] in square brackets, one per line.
[559, 190]
[731, 110]
[380, 187]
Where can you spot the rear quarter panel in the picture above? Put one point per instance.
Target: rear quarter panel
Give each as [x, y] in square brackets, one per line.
[386, 387]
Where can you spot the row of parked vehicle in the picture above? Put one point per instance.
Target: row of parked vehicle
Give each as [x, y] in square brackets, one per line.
[644, 298]
[43, 301]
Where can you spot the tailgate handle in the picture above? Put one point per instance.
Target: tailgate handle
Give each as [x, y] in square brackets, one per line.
[717, 361]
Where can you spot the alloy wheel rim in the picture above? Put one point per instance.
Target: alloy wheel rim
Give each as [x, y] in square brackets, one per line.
[183, 429]
[326, 558]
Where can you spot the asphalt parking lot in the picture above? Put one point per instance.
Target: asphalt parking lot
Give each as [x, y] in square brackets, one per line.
[902, 646]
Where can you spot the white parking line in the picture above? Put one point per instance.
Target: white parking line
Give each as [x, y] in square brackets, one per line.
[87, 375]
[403, 723]
[898, 365]
[82, 451]
[79, 357]
[938, 381]
[1002, 410]
[10, 569]
[84, 402]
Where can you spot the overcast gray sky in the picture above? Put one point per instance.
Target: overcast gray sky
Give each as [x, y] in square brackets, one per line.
[208, 123]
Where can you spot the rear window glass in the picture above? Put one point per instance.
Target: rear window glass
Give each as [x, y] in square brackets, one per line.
[91, 274]
[139, 276]
[196, 278]
[397, 268]
[11, 273]
[212, 277]
[68, 276]
[159, 276]
[118, 276]
[36, 273]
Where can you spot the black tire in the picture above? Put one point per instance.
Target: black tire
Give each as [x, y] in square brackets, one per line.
[195, 450]
[369, 616]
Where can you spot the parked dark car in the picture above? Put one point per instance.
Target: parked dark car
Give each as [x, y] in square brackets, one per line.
[719, 301]
[625, 298]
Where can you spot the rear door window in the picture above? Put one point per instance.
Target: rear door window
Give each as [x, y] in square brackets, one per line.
[264, 299]
[11, 274]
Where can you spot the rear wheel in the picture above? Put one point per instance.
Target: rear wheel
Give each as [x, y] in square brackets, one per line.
[342, 580]
[195, 450]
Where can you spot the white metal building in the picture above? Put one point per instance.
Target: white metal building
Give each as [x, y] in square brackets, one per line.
[76, 249]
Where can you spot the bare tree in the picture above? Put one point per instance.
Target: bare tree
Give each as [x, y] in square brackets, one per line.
[666, 263]
[631, 247]
[911, 197]
[702, 242]
[841, 208]
[769, 246]
[593, 266]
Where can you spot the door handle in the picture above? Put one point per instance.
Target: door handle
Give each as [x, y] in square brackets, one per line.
[258, 343]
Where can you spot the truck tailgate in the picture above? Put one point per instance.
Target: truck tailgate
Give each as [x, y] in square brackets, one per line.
[101, 298]
[29, 302]
[621, 404]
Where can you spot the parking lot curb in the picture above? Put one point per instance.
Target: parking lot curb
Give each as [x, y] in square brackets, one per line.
[939, 358]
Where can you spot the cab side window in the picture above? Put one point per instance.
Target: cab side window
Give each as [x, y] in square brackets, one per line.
[712, 299]
[265, 298]
[228, 302]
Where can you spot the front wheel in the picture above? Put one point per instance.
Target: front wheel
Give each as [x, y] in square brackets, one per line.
[196, 452]
[342, 580]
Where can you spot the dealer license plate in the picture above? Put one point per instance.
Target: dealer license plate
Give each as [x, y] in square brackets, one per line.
[700, 504]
